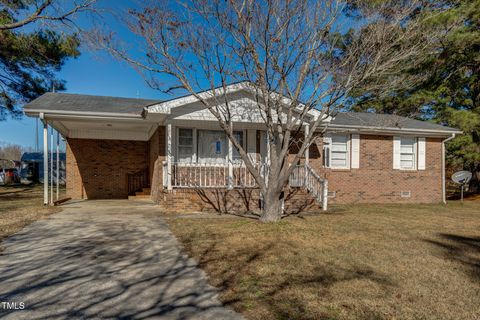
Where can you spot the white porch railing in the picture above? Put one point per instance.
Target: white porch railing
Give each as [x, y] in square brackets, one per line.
[304, 176]
[210, 175]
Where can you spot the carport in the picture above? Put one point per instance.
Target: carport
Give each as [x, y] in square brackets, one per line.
[85, 117]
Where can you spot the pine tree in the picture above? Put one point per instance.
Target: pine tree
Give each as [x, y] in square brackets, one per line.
[32, 50]
[449, 88]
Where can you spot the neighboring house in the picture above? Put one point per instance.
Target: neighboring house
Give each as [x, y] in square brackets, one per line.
[32, 167]
[118, 146]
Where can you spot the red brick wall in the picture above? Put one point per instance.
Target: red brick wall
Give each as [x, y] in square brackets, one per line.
[97, 169]
[157, 155]
[230, 201]
[376, 181]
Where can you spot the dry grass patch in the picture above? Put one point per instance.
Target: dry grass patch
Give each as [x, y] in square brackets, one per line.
[20, 206]
[362, 262]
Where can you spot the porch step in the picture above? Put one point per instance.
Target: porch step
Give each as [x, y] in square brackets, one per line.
[145, 191]
[142, 197]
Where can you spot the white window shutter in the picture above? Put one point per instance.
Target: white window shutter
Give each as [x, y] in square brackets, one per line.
[396, 152]
[421, 153]
[355, 151]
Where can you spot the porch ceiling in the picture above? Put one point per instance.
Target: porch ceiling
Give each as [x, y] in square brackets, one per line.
[109, 129]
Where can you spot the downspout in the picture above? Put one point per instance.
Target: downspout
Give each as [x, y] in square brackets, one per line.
[45, 158]
[444, 196]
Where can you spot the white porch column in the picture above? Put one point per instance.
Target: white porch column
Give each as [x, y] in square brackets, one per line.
[267, 135]
[230, 164]
[58, 164]
[45, 160]
[169, 156]
[51, 165]
[325, 195]
[307, 151]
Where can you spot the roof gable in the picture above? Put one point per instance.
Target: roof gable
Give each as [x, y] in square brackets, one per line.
[235, 92]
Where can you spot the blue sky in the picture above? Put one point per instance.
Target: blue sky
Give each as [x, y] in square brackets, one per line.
[94, 73]
[91, 73]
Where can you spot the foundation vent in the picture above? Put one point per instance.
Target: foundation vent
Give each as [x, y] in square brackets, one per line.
[405, 194]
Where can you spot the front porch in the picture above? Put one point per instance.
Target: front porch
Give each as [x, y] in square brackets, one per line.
[165, 147]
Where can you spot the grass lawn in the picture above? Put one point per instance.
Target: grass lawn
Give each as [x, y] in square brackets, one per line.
[358, 262]
[20, 206]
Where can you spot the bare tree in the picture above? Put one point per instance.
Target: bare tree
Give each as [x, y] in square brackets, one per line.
[12, 151]
[300, 57]
[47, 10]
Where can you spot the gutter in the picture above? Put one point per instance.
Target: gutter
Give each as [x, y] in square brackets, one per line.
[444, 192]
[392, 129]
[38, 112]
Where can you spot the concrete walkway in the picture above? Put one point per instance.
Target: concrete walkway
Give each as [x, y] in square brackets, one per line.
[103, 259]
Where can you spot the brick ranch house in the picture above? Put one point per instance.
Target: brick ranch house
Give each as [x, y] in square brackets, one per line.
[175, 153]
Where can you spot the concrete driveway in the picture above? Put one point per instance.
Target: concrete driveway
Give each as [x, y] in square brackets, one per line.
[103, 259]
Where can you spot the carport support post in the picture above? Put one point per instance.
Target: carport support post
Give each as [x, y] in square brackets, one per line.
[51, 165]
[169, 156]
[58, 163]
[45, 159]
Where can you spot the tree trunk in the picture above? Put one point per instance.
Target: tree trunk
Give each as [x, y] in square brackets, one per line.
[474, 185]
[272, 206]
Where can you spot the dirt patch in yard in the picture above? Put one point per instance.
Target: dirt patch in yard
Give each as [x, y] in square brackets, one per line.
[20, 206]
[360, 262]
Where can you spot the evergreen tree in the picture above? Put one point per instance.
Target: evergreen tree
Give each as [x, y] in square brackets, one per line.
[448, 88]
[32, 51]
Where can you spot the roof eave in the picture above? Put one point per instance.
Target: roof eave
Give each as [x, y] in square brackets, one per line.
[392, 130]
[80, 114]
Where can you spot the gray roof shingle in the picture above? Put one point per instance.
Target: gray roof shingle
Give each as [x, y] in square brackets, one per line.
[385, 121]
[87, 103]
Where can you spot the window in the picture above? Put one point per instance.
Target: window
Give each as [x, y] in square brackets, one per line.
[336, 150]
[239, 136]
[211, 146]
[185, 145]
[408, 153]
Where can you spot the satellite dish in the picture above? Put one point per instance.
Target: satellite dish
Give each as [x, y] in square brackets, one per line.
[462, 177]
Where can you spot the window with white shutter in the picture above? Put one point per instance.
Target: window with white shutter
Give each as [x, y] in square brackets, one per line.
[336, 151]
[405, 153]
